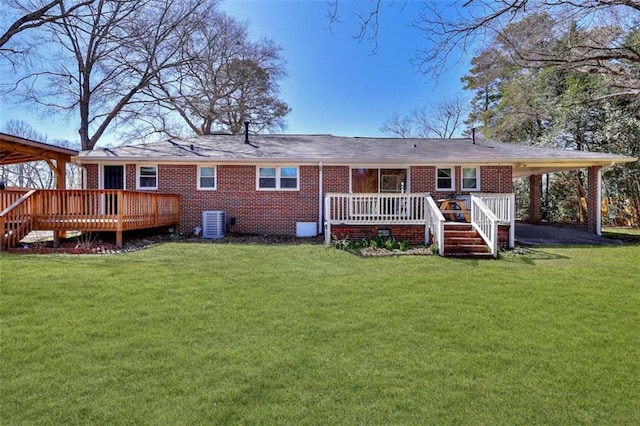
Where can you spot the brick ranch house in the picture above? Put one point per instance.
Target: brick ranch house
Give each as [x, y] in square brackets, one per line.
[342, 186]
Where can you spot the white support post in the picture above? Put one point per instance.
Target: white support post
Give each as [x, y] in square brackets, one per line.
[327, 219]
[599, 204]
[512, 220]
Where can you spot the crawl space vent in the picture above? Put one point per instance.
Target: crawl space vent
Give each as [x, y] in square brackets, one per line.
[213, 224]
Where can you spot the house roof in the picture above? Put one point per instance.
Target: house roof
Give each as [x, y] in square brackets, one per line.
[336, 150]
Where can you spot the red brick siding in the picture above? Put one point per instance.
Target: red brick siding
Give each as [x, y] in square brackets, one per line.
[276, 212]
[412, 233]
[130, 180]
[91, 176]
[263, 212]
[535, 198]
[423, 178]
[492, 179]
[503, 236]
[335, 179]
[497, 179]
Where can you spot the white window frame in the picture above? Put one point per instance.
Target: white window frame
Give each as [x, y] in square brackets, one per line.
[215, 177]
[145, 188]
[453, 178]
[477, 187]
[278, 177]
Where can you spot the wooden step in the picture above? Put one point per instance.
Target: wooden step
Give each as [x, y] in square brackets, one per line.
[485, 255]
[466, 248]
[461, 240]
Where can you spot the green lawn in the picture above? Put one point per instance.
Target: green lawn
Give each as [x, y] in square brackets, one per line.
[184, 334]
[624, 234]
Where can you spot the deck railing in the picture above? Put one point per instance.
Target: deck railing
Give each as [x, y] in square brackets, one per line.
[434, 227]
[105, 209]
[9, 196]
[16, 219]
[371, 209]
[94, 210]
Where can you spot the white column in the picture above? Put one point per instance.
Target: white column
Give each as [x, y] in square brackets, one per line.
[599, 204]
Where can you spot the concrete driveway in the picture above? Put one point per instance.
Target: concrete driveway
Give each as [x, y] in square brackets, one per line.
[553, 235]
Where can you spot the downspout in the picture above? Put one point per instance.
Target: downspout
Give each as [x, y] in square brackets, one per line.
[320, 226]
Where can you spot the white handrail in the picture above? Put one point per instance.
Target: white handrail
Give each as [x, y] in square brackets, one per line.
[434, 224]
[367, 209]
[503, 206]
[485, 222]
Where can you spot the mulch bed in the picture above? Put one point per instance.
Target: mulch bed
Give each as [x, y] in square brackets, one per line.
[103, 244]
[86, 246]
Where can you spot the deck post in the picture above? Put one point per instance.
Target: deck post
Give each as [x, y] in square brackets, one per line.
[121, 206]
[2, 233]
[154, 207]
[61, 183]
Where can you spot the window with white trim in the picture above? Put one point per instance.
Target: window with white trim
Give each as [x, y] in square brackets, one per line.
[278, 178]
[147, 177]
[470, 178]
[207, 177]
[445, 179]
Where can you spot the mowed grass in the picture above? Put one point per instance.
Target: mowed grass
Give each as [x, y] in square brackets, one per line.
[248, 334]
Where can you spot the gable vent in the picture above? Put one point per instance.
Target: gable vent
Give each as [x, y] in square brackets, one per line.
[213, 224]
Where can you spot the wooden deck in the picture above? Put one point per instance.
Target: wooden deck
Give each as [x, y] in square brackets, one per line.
[22, 211]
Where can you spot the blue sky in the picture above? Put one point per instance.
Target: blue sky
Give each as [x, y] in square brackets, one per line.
[335, 83]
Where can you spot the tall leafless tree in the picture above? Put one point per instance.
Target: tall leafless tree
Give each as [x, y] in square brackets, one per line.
[445, 120]
[102, 55]
[223, 79]
[454, 30]
[21, 15]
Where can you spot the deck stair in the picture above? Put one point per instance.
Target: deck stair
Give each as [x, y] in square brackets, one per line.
[461, 240]
[15, 232]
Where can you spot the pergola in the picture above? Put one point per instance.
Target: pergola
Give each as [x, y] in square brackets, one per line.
[16, 150]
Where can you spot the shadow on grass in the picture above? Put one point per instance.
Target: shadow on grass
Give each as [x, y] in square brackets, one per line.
[529, 255]
[622, 237]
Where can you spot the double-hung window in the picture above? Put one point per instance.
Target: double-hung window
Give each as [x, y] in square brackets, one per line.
[284, 178]
[445, 179]
[207, 177]
[470, 178]
[147, 177]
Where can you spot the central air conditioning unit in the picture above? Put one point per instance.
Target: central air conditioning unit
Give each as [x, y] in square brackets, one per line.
[213, 224]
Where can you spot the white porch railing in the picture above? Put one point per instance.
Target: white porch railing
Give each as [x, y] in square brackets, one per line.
[372, 209]
[504, 207]
[434, 224]
[486, 223]
[488, 211]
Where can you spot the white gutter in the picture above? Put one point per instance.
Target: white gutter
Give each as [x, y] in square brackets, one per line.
[516, 163]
